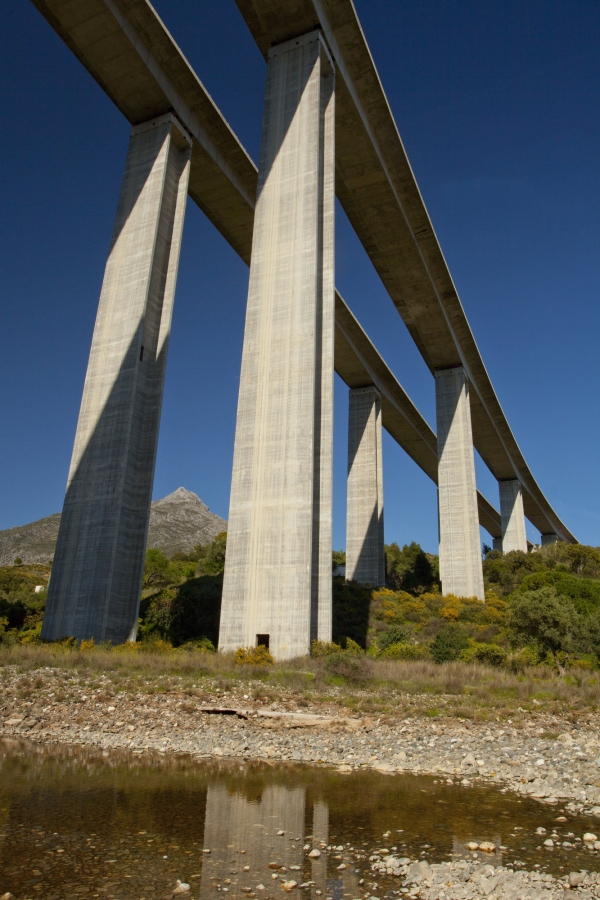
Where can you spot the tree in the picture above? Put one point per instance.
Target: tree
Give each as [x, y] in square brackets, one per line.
[156, 568]
[548, 622]
[449, 643]
[409, 569]
[211, 557]
[338, 558]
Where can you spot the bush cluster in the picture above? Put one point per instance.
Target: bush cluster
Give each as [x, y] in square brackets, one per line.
[541, 608]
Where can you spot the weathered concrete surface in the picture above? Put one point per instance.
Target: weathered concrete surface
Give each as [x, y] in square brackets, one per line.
[461, 571]
[514, 535]
[127, 49]
[365, 558]
[278, 570]
[96, 578]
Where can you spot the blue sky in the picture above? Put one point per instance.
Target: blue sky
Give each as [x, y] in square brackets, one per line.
[497, 104]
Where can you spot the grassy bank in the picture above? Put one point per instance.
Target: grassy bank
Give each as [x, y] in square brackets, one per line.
[382, 687]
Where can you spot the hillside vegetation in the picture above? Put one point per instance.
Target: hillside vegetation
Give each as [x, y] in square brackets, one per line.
[541, 608]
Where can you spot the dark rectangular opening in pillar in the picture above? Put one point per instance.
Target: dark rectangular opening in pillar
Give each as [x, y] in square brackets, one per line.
[262, 640]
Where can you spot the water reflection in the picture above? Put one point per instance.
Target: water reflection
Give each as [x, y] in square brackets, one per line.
[254, 834]
[79, 822]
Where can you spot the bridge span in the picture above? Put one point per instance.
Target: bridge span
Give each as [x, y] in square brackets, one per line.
[320, 73]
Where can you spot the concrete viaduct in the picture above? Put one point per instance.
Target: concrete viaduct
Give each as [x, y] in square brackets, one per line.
[327, 130]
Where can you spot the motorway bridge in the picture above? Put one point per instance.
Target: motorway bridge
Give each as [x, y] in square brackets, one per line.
[327, 130]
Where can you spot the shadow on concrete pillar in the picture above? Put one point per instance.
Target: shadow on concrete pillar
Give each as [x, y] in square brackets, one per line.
[514, 535]
[365, 558]
[461, 570]
[549, 539]
[98, 564]
[278, 569]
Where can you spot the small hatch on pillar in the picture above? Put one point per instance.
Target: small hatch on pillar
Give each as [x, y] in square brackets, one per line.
[262, 640]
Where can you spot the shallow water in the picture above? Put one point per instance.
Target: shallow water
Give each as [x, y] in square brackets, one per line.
[78, 822]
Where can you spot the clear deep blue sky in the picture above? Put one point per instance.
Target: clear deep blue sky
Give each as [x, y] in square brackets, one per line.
[497, 104]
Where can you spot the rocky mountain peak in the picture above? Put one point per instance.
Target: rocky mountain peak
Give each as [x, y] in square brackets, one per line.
[178, 522]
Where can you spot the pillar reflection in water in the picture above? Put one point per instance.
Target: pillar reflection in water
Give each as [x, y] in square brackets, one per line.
[234, 824]
[320, 838]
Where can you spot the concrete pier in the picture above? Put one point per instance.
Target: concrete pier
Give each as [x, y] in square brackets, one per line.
[277, 585]
[461, 571]
[514, 535]
[549, 539]
[96, 577]
[365, 559]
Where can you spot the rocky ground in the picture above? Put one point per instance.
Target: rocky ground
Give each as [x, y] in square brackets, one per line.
[539, 754]
[463, 880]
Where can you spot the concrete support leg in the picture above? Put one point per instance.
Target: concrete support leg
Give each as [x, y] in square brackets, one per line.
[497, 544]
[549, 539]
[365, 560]
[461, 571]
[514, 536]
[96, 578]
[278, 570]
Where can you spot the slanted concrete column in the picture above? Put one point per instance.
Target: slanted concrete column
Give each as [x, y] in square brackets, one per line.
[461, 571]
[365, 560]
[514, 536]
[549, 539]
[278, 569]
[96, 577]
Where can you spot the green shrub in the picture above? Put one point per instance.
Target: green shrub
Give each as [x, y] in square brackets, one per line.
[253, 656]
[395, 634]
[449, 643]
[352, 647]
[404, 650]
[319, 649]
[202, 644]
[354, 669]
[488, 654]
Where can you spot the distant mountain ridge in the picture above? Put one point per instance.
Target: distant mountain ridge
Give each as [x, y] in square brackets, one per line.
[178, 521]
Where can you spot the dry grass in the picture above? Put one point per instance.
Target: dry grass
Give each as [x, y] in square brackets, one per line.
[377, 686]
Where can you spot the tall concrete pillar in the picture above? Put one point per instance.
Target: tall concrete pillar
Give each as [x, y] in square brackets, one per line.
[365, 560]
[277, 584]
[461, 571]
[514, 536]
[549, 539]
[98, 564]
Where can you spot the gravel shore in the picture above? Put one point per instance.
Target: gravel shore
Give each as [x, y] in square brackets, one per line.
[541, 755]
